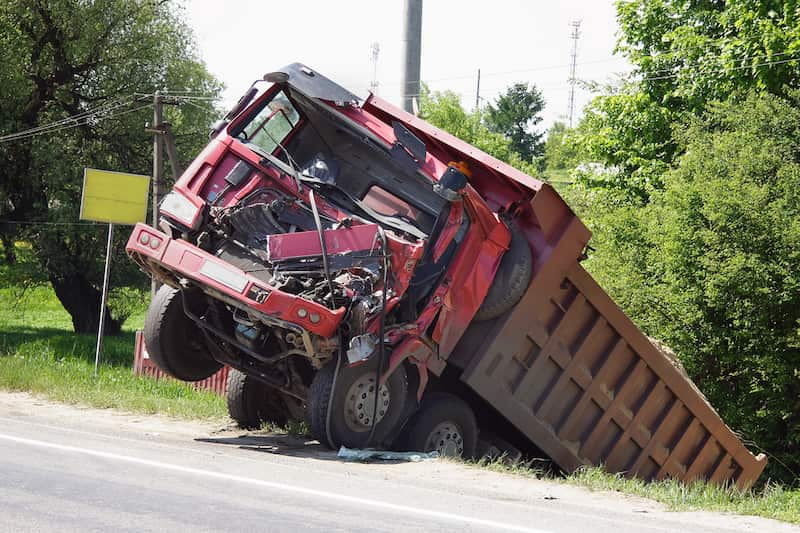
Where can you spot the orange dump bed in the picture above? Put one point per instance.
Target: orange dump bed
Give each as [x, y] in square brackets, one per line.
[584, 384]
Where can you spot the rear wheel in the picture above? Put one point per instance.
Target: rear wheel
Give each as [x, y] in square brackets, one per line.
[341, 405]
[251, 403]
[173, 341]
[445, 424]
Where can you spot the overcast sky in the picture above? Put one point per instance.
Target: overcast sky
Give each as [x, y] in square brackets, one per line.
[509, 40]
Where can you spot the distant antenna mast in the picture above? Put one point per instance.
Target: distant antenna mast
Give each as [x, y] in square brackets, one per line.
[373, 85]
[576, 33]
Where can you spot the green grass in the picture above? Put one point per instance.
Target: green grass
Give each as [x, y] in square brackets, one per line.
[769, 501]
[39, 353]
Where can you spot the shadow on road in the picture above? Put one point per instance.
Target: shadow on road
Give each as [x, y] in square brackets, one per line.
[288, 445]
[276, 444]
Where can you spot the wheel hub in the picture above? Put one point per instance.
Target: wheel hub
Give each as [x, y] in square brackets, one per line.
[359, 404]
[446, 438]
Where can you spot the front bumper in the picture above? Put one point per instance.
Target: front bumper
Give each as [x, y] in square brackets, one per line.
[164, 257]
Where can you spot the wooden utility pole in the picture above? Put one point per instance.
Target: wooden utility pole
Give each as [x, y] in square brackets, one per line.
[158, 164]
[172, 152]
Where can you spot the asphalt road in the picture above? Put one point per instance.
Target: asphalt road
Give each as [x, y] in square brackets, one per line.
[70, 469]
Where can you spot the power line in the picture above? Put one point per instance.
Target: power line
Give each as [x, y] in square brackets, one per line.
[100, 112]
[97, 113]
[45, 223]
[107, 106]
[721, 70]
[179, 96]
[674, 74]
[73, 123]
[584, 63]
[717, 57]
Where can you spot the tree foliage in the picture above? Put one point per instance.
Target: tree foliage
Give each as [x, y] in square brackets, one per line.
[558, 153]
[514, 115]
[685, 55]
[444, 110]
[690, 53]
[689, 178]
[65, 58]
[709, 265]
[630, 135]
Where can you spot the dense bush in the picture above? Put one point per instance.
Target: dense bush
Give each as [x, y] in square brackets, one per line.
[710, 265]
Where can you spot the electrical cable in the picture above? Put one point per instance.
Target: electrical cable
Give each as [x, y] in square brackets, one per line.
[45, 223]
[104, 107]
[72, 124]
[324, 249]
[381, 333]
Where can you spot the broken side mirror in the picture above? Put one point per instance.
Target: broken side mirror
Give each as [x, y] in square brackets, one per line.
[450, 185]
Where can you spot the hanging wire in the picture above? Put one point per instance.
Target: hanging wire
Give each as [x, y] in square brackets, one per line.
[97, 114]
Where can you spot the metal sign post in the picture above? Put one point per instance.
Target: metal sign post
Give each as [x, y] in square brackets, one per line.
[116, 198]
[103, 300]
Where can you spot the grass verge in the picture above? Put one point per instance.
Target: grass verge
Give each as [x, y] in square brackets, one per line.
[40, 354]
[769, 500]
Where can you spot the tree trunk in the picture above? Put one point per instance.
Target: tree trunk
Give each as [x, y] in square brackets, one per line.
[9, 255]
[82, 302]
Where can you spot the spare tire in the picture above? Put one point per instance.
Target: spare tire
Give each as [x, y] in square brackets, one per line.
[512, 278]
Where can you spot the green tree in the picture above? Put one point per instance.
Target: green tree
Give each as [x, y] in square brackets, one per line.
[515, 114]
[97, 61]
[690, 53]
[559, 152]
[444, 110]
[685, 55]
[630, 135]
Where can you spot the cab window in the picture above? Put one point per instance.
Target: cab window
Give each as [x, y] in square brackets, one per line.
[270, 125]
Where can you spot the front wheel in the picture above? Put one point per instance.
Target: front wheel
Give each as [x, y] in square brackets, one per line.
[173, 341]
[445, 424]
[342, 407]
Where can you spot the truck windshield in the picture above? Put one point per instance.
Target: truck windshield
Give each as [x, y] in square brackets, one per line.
[268, 126]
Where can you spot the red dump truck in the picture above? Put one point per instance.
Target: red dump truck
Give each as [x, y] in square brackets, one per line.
[394, 286]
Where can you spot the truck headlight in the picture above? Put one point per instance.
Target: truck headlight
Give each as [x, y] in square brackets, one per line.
[180, 208]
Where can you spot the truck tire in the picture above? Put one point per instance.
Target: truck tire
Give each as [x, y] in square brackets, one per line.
[251, 403]
[512, 278]
[173, 341]
[443, 423]
[340, 405]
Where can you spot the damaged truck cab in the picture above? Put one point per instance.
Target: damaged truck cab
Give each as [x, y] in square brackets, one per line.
[321, 249]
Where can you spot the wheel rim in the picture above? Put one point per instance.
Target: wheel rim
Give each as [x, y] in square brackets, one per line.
[446, 438]
[360, 403]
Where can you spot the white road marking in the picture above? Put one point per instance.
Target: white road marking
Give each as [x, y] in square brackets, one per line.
[280, 486]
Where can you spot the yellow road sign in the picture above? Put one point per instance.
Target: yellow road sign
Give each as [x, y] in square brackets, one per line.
[114, 197]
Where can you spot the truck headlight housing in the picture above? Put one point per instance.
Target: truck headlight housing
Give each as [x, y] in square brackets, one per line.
[177, 206]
